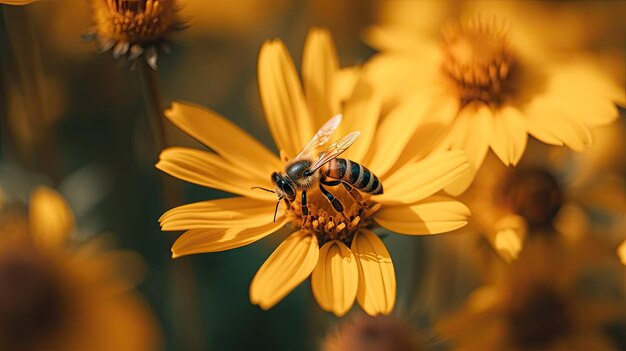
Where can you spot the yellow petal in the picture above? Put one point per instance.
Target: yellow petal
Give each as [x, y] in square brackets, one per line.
[509, 136]
[508, 239]
[208, 169]
[397, 129]
[419, 180]
[586, 94]
[621, 252]
[508, 244]
[388, 39]
[471, 132]
[51, 219]
[16, 2]
[549, 123]
[320, 66]
[434, 215]
[283, 101]
[224, 137]
[361, 112]
[288, 266]
[196, 241]
[335, 279]
[236, 212]
[377, 278]
[345, 80]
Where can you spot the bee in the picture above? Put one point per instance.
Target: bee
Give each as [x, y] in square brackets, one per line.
[304, 171]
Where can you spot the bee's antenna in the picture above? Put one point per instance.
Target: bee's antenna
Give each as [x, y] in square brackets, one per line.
[268, 190]
[276, 209]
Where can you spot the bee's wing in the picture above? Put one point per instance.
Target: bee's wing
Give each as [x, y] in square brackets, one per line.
[334, 150]
[321, 137]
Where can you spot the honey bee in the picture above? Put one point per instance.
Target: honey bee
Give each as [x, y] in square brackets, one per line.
[305, 171]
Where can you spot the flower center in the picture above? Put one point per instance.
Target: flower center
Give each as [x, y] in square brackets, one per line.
[31, 303]
[534, 194]
[326, 222]
[538, 318]
[478, 59]
[134, 21]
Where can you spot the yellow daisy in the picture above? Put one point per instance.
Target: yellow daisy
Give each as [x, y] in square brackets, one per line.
[538, 304]
[346, 260]
[503, 88]
[134, 27]
[543, 194]
[59, 296]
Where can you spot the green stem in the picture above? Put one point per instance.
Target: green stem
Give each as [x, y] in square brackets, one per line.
[187, 321]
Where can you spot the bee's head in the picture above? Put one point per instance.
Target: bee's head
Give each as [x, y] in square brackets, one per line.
[284, 186]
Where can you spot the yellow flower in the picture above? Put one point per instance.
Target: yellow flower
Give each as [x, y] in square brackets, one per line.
[538, 304]
[134, 27]
[543, 194]
[364, 333]
[345, 258]
[58, 296]
[503, 88]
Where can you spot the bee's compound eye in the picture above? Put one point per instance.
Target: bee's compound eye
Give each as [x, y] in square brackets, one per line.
[276, 178]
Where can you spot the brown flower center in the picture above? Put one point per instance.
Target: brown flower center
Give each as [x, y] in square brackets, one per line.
[326, 222]
[534, 194]
[539, 317]
[478, 59]
[31, 301]
[134, 21]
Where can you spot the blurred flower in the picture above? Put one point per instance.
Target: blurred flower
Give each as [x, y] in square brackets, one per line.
[538, 304]
[364, 333]
[345, 258]
[621, 252]
[134, 27]
[502, 88]
[537, 196]
[58, 296]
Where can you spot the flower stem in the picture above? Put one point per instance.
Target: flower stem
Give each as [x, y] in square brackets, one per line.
[186, 318]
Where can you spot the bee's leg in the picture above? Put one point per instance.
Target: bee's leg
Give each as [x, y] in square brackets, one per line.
[349, 188]
[337, 205]
[305, 208]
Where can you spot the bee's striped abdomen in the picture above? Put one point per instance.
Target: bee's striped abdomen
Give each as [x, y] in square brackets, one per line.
[355, 175]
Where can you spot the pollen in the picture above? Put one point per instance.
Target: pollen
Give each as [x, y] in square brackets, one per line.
[478, 59]
[326, 222]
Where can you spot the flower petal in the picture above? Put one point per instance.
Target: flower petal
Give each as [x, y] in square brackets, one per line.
[51, 219]
[377, 278]
[335, 279]
[471, 132]
[208, 169]
[549, 123]
[434, 215]
[224, 137]
[236, 212]
[289, 265]
[203, 240]
[360, 113]
[419, 180]
[398, 127]
[509, 136]
[320, 66]
[621, 252]
[283, 101]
